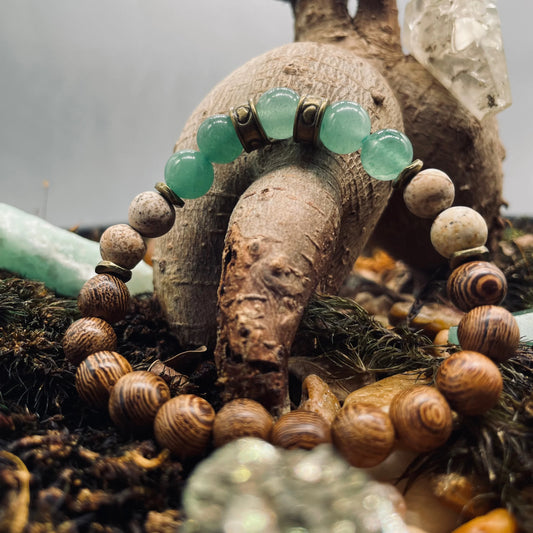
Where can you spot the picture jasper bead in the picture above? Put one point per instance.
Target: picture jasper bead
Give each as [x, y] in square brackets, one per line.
[421, 417]
[490, 330]
[184, 425]
[122, 245]
[104, 296]
[470, 382]
[97, 375]
[363, 433]
[476, 283]
[241, 418]
[135, 400]
[300, 429]
[86, 336]
[150, 214]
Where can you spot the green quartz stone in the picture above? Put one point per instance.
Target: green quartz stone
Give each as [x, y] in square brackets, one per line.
[218, 140]
[344, 126]
[189, 174]
[386, 153]
[276, 110]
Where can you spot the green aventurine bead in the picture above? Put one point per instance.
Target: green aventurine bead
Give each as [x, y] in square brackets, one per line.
[189, 174]
[218, 140]
[344, 126]
[386, 153]
[276, 110]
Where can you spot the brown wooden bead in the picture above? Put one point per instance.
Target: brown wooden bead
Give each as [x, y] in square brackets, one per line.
[104, 296]
[470, 382]
[421, 417]
[122, 245]
[97, 374]
[476, 283]
[86, 336]
[135, 400]
[184, 425]
[241, 418]
[363, 433]
[300, 429]
[150, 214]
[490, 330]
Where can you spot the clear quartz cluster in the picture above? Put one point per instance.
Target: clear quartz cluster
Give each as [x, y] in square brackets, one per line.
[460, 43]
[249, 486]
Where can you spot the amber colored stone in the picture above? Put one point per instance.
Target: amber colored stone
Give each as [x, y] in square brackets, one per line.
[496, 521]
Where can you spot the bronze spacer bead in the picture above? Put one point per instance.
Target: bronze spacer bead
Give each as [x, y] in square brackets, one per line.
[308, 119]
[479, 253]
[108, 267]
[407, 174]
[248, 127]
[168, 194]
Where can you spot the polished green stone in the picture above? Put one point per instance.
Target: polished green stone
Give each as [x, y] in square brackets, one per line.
[189, 174]
[217, 139]
[386, 153]
[276, 110]
[344, 126]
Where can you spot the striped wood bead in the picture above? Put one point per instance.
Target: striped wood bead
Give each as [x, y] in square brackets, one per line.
[476, 283]
[97, 375]
[300, 429]
[184, 425]
[86, 336]
[135, 400]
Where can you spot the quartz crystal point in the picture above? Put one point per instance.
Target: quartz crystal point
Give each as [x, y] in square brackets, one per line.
[460, 43]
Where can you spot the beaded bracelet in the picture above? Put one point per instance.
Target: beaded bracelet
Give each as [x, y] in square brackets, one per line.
[420, 416]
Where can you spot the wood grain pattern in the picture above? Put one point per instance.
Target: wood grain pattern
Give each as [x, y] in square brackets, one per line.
[86, 336]
[300, 429]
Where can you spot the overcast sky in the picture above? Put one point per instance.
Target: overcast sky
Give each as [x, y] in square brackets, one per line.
[94, 94]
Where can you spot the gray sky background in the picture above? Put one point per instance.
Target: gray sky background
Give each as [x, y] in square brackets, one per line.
[94, 94]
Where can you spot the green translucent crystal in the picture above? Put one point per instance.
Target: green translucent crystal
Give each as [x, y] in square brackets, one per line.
[276, 110]
[217, 139]
[386, 153]
[344, 126]
[189, 174]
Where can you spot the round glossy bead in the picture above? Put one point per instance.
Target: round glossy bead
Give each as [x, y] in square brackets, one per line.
[276, 110]
[470, 382]
[458, 228]
[86, 336]
[97, 375]
[428, 193]
[189, 174]
[421, 417]
[135, 400]
[242, 418]
[104, 296]
[122, 245]
[476, 283]
[385, 154]
[150, 214]
[363, 433]
[184, 425]
[300, 429]
[344, 126]
[217, 139]
[490, 330]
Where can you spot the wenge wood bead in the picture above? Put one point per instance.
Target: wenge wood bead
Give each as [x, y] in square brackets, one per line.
[421, 417]
[97, 374]
[300, 429]
[122, 245]
[490, 330]
[86, 336]
[135, 400]
[150, 214]
[241, 418]
[363, 434]
[104, 296]
[470, 382]
[184, 425]
[476, 283]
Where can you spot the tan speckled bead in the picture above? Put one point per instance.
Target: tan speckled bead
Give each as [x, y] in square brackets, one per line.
[97, 374]
[86, 336]
[150, 214]
[104, 296]
[458, 228]
[428, 193]
[122, 245]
